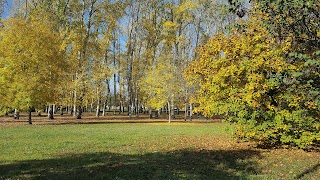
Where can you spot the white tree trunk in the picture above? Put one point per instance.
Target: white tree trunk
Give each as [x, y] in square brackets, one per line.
[172, 110]
[74, 110]
[16, 114]
[98, 108]
[54, 109]
[75, 103]
[190, 111]
[91, 105]
[61, 109]
[169, 109]
[104, 109]
[50, 112]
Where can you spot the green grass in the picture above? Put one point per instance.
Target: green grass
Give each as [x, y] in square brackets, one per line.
[143, 151]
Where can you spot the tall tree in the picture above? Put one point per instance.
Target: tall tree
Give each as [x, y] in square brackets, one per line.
[299, 22]
[264, 75]
[30, 70]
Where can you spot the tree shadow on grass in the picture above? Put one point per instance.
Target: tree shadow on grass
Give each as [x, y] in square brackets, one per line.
[308, 171]
[183, 164]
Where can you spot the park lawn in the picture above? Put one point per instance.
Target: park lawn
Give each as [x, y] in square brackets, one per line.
[144, 151]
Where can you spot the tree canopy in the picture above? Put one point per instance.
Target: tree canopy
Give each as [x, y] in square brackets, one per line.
[32, 62]
[264, 75]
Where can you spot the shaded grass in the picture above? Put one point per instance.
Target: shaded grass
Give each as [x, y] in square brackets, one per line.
[143, 151]
[182, 164]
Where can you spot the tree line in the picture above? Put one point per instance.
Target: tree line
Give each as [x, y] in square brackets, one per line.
[118, 53]
[254, 62]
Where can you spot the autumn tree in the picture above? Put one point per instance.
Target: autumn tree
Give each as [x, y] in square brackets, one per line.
[32, 62]
[260, 76]
[167, 49]
[120, 44]
[161, 32]
[159, 85]
[298, 21]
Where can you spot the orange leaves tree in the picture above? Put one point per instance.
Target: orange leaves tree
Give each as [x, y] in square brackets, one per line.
[245, 76]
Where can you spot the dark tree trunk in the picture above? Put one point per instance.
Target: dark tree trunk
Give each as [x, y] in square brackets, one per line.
[185, 111]
[129, 110]
[71, 111]
[61, 110]
[29, 117]
[120, 106]
[150, 113]
[79, 112]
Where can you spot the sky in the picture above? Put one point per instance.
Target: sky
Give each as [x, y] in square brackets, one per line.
[7, 8]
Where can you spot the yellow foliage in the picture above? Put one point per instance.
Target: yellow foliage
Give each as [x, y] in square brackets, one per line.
[235, 68]
[182, 11]
[170, 26]
[32, 58]
[160, 84]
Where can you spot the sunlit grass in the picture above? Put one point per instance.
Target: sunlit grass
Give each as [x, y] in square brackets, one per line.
[143, 151]
[34, 142]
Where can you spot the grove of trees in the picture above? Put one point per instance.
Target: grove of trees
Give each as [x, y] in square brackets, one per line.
[254, 62]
